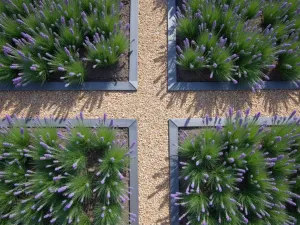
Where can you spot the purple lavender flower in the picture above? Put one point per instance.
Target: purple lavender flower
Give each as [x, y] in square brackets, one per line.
[231, 160]
[57, 178]
[62, 189]
[14, 66]
[25, 8]
[45, 146]
[62, 20]
[179, 49]
[214, 25]
[9, 119]
[278, 139]
[71, 195]
[186, 43]
[243, 155]
[219, 127]
[17, 81]
[75, 165]
[6, 50]
[257, 116]
[53, 220]
[120, 176]
[67, 52]
[234, 81]
[81, 115]
[104, 117]
[230, 112]
[292, 114]
[22, 131]
[68, 206]
[80, 135]
[72, 31]
[33, 68]
[44, 35]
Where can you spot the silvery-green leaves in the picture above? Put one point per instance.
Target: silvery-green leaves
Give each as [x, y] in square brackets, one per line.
[244, 41]
[241, 172]
[73, 175]
[33, 36]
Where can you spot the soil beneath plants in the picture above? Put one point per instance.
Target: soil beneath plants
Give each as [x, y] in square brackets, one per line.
[117, 72]
[203, 76]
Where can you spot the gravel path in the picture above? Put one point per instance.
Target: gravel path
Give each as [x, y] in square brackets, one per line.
[151, 105]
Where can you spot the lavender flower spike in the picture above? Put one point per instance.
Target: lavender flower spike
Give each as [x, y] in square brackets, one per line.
[292, 114]
[81, 115]
[104, 118]
[62, 189]
[9, 119]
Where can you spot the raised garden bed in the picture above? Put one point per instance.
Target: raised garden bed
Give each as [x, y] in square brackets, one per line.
[233, 45]
[238, 170]
[68, 45]
[80, 171]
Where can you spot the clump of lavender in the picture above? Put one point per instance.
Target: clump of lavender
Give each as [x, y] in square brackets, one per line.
[241, 172]
[61, 176]
[33, 36]
[239, 41]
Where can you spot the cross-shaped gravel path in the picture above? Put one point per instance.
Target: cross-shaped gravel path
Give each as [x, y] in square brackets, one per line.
[151, 105]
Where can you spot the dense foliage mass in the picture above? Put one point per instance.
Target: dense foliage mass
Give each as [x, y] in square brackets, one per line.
[241, 173]
[240, 40]
[75, 175]
[43, 40]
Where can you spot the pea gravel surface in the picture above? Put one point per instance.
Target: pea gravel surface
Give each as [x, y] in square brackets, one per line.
[152, 106]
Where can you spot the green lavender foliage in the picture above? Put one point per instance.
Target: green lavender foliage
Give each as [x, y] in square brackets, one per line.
[34, 35]
[241, 172]
[75, 175]
[244, 40]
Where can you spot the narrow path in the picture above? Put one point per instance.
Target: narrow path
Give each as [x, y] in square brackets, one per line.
[151, 105]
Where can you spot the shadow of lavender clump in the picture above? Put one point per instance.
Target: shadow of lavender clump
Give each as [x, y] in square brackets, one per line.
[58, 103]
[163, 185]
[162, 7]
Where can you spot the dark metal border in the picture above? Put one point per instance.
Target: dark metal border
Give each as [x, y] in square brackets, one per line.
[130, 85]
[174, 126]
[174, 85]
[131, 124]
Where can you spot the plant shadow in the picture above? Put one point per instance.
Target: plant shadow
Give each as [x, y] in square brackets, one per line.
[162, 186]
[59, 103]
[276, 102]
[217, 102]
[210, 102]
[162, 7]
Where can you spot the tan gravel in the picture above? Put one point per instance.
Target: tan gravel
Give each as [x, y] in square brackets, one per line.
[152, 106]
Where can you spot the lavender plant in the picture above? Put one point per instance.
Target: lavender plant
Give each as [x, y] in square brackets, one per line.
[239, 40]
[34, 35]
[241, 173]
[75, 175]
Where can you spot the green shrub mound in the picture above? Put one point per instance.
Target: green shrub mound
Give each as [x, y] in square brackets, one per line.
[73, 175]
[247, 41]
[50, 40]
[241, 173]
